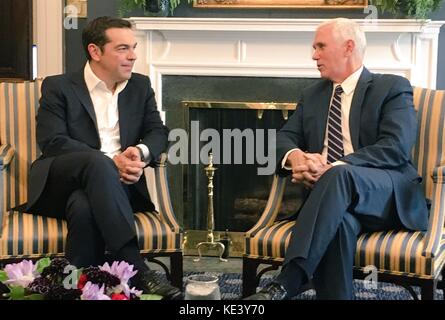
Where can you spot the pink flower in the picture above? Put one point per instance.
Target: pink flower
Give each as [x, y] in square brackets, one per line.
[124, 272]
[92, 292]
[21, 274]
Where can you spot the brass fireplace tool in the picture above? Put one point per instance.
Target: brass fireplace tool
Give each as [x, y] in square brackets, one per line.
[210, 243]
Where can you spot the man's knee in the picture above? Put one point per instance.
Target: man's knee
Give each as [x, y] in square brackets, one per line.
[100, 164]
[340, 172]
[78, 207]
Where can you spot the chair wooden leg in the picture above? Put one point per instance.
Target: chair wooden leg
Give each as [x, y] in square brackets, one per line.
[428, 290]
[176, 269]
[250, 280]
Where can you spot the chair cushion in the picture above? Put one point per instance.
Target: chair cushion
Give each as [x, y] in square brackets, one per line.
[392, 252]
[270, 243]
[398, 252]
[32, 236]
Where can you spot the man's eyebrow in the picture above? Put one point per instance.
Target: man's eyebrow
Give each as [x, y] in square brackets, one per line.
[318, 44]
[126, 45]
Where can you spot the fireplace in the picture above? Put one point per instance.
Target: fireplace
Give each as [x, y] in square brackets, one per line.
[254, 60]
[187, 102]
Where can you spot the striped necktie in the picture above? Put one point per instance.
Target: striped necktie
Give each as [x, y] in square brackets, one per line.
[335, 136]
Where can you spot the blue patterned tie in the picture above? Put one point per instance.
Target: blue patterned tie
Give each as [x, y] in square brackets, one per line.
[335, 136]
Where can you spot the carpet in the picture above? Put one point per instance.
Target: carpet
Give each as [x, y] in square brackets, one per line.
[230, 287]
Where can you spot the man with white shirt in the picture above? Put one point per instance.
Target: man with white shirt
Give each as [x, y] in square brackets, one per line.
[349, 142]
[97, 130]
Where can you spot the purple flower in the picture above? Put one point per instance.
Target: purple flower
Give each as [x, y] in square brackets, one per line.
[124, 272]
[93, 292]
[21, 274]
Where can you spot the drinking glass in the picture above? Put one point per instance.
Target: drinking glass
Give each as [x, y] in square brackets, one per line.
[202, 287]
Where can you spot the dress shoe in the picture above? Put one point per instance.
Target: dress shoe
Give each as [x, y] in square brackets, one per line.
[273, 291]
[150, 283]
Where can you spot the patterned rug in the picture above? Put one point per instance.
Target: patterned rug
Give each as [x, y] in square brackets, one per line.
[230, 286]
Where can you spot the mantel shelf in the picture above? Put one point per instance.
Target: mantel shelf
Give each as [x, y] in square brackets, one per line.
[279, 25]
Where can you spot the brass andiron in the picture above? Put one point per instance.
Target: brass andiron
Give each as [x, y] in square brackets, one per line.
[210, 243]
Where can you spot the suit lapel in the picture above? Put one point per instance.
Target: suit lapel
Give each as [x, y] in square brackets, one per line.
[123, 108]
[322, 115]
[356, 106]
[81, 90]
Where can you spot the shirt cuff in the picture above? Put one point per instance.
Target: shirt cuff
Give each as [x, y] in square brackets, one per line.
[338, 163]
[283, 162]
[145, 151]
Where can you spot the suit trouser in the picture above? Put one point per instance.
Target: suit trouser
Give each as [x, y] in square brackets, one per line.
[84, 188]
[346, 200]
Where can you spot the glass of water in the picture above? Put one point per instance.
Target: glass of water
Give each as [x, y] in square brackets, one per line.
[202, 287]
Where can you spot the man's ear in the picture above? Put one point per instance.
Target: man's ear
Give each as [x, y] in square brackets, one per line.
[350, 47]
[95, 52]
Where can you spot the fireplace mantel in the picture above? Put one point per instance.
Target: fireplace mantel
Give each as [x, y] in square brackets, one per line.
[278, 25]
[275, 48]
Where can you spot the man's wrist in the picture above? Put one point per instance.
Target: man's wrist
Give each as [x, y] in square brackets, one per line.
[141, 153]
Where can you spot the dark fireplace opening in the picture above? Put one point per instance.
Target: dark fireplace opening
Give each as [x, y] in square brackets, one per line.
[240, 194]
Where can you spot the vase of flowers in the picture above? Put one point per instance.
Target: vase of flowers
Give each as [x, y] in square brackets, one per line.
[58, 280]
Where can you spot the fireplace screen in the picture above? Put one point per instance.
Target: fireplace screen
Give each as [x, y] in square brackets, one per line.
[241, 138]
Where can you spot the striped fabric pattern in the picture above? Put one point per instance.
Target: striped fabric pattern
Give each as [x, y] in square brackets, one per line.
[18, 106]
[415, 254]
[27, 235]
[391, 252]
[31, 236]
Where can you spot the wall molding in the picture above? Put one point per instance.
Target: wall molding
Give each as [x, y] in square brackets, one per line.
[49, 36]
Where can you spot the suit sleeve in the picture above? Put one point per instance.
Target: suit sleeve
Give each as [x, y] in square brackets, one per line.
[155, 134]
[52, 132]
[396, 134]
[291, 136]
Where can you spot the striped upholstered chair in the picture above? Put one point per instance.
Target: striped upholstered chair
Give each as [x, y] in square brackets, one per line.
[402, 257]
[31, 236]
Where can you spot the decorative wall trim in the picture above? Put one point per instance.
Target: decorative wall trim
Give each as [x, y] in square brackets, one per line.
[49, 37]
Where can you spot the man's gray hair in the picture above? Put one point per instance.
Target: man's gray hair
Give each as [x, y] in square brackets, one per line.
[346, 29]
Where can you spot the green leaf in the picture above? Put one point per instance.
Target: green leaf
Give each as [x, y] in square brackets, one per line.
[3, 276]
[42, 264]
[150, 297]
[17, 293]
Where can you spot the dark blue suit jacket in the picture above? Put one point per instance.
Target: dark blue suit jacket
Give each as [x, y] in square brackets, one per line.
[66, 122]
[383, 130]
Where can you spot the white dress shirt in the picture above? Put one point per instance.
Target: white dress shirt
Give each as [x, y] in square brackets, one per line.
[105, 104]
[348, 85]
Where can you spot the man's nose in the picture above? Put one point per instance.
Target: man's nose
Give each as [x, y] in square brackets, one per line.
[315, 55]
[132, 55]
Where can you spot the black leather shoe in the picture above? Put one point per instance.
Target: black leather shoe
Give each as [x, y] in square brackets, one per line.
[273, 291]
[150, 283]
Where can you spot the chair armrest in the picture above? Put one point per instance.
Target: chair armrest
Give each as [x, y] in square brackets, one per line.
[165, 206]
[273, 205]
[6, 155]
[434, 234]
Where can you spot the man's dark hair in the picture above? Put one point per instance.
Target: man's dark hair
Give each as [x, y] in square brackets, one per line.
[94, 32]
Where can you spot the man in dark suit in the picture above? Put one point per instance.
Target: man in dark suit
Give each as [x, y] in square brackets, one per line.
[349, 142]
[97, 130]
